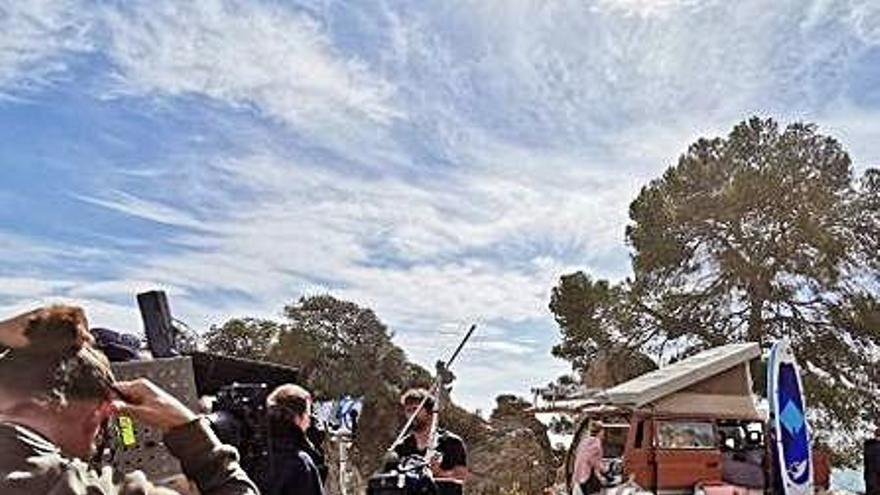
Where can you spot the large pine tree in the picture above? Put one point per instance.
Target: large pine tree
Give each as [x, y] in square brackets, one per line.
[760, 235]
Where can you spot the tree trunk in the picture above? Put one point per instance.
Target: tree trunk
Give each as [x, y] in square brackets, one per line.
[756, 318]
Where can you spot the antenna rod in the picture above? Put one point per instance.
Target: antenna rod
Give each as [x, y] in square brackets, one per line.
[470, 332]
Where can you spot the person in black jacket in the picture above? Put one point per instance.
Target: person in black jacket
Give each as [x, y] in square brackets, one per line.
[450, 469]
[294, 461]
[872, 463]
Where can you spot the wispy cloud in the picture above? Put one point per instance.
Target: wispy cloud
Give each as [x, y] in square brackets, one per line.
[262, 56]
[21, 250]
[37, 35]
[439, 161]
[865, 18]
[142, 208]
[26, 287]
[99, 311]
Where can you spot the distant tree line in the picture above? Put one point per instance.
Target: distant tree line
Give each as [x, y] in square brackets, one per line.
[340, 348]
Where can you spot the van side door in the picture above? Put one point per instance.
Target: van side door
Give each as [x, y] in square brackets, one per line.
[687, 452]
[638, 458]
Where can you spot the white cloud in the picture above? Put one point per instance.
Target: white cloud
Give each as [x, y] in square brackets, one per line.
[500, 347]
[113, 289]
[649, 7]
[100, 313]
[568, 74]
[865, 16]
[275, 60]
[34, 37]
[22, 251]
[306, 229]
[481, 381]
[857, 130]
[28, 287]
[142, 208]
[415, 252]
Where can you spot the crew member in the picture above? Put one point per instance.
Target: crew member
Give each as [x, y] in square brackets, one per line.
[56, 392]
[872, 462]
[294, 468]
[450, 470]
[821, 467]
[588, 460]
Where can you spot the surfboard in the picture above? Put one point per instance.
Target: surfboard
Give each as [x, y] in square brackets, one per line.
[789, 421]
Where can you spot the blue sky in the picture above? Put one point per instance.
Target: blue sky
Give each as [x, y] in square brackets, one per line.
[440, 161]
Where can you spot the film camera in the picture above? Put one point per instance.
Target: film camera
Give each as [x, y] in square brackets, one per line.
[409, 475]
[239, 418]
[239, 388]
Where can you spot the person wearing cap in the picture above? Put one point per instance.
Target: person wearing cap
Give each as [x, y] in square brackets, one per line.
[588, 460]
[56, 393]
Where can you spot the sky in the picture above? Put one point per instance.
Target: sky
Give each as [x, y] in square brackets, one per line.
[439, 161]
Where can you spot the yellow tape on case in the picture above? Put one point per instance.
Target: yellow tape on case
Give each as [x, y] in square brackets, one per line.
[126, 431]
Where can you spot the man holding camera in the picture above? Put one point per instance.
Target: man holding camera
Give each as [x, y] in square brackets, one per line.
[295, 462]
[56, 392]
[450, 470]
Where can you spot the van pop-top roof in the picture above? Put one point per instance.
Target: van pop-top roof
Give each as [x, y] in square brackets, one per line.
[715, 382]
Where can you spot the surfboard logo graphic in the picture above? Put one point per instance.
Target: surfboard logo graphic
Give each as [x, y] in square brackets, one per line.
[792, 418]
[797, 470]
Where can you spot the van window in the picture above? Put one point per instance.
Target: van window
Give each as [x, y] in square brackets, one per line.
[640, 434]
[739, 435]
[615, 440]
[685, 435]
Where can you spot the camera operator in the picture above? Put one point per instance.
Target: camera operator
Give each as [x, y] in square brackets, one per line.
[56, 394]
[295, 467]
[450, 471]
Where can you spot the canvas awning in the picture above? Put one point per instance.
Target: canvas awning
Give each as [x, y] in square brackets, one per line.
[716, 382]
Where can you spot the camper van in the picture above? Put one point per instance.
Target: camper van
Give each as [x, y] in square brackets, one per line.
[691, 426]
